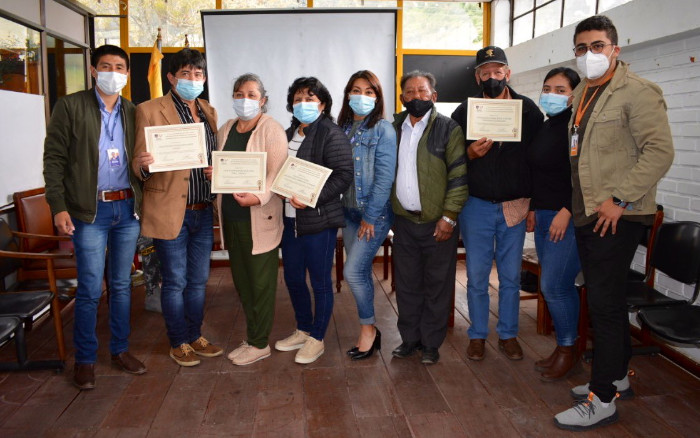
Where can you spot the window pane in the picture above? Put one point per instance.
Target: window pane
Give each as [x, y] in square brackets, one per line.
[244, 4]
[354, 4]
[66, 67]
[522, 29]
[442, 25]
[604, 5]
[20, 58]
[176, 18]
[102, 7]
[521, 6]
[106, 31]
[547, 18]
[578, 10]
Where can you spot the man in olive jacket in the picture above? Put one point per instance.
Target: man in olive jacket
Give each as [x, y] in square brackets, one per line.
[95, 198]
[620, 147]
[429, 191]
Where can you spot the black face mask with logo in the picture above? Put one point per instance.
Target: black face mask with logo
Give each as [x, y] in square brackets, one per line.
[493, 87]
[418, 108]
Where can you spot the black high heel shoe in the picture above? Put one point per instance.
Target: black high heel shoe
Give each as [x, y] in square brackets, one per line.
[353, 351]
[376, 345]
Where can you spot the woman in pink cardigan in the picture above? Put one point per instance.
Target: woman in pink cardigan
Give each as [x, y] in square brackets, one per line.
[252, 223]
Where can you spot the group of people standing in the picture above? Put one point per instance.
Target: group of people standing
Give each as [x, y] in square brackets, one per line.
[587, 175]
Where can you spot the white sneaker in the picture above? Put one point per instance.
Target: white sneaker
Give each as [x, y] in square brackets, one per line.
[622, 387]
[293, 342]
[587, 414]
[312, 350]
[232, 355]
[251, 354]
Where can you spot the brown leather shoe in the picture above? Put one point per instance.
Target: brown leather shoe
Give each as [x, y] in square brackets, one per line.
[562, 365]
[544, 364]
[128, 363]
[475, 351]
[511, 348]
[84, 376]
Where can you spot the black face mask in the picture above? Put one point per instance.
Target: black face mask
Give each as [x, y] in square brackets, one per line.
[418, 108]
[493, 87]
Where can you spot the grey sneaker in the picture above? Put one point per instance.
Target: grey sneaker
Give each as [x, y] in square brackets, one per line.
[587, 414]
[292, 342]
[623, 389]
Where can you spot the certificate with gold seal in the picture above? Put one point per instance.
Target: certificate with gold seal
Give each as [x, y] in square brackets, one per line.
[301, 179]
[495, 119]
[238, 172]
[176, 147]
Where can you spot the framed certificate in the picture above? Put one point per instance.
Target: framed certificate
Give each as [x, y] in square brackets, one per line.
[495, 119]
[238, 172]
[176, 147]
[301, 179]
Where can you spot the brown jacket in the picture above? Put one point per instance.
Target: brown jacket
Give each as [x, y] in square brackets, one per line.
[164, 193]
[265, 218]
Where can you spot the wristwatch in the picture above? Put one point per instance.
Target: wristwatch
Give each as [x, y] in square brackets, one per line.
[619, 202]
[449, 221]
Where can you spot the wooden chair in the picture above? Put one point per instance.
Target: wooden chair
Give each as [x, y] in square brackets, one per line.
[531, 263]
[26, 304]
[37, 235]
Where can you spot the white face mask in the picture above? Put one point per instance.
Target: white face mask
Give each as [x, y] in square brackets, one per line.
[246, 109]
[593, 65]
[111, 82]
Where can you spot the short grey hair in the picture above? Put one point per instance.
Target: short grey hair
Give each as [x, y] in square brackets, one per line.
[252, 77]
[419, 74]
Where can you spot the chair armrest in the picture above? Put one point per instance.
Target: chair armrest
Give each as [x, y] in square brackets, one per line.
[41, 236]
[35, 255]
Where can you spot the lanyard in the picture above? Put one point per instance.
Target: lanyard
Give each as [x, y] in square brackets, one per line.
[581, 110]
[114, 112]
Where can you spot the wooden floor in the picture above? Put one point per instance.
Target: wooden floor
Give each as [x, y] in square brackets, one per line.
[333, 397]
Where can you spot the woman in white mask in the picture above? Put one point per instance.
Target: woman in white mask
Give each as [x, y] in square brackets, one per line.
[550, 219]
[366, 205]
[251, 224]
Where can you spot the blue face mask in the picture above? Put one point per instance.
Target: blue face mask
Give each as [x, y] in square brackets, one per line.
[553, 104]
[189, 90]
[361, 104]
[306, 112]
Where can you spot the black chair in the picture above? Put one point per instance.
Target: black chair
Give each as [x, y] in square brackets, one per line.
[677, 254]
[21, 307]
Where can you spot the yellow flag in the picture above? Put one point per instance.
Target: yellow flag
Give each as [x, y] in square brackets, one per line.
[155, 82]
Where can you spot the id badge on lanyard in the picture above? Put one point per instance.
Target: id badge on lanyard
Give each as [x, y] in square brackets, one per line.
[573, 147]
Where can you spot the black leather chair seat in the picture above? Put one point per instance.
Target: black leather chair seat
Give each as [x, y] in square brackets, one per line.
[24, 304]
[640, 295]
[677, 323]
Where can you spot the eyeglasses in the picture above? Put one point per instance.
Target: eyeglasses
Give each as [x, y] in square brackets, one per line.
[598, 47]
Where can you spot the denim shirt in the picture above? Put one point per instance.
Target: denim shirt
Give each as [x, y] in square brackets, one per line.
[374, 162]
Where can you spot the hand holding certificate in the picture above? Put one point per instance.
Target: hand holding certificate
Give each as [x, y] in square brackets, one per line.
[176, 147]
[238, 172]
[301, 179]
[495, 119]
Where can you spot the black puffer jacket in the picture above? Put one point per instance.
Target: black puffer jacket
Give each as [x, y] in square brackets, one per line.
[503, 173]
[327, 145]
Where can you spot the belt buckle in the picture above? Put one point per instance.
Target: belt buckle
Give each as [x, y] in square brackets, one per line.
[102, 195]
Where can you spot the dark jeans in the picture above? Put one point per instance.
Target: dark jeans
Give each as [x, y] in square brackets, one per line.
[313, 253]
[184, 265]
[425, 279]
[605, 262]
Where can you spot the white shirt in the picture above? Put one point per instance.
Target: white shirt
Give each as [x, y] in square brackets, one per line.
[292, 150]
[407, 175]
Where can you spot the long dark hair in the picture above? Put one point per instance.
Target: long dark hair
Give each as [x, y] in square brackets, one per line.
[315, 88]
[570, 74]
[346, 114]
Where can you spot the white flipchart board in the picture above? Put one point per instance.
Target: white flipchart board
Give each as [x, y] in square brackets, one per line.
[23, 128]
[281, 45]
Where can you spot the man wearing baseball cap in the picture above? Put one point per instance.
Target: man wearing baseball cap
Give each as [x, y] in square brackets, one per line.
[492, 222]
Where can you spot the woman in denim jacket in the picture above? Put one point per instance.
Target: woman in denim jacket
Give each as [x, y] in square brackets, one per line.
[366, 205]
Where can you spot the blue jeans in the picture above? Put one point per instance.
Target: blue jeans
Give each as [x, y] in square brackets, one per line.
[313, 253]
[116, 230]
[184, 267]
[360, 255]
[485, 235]
[560, 265]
